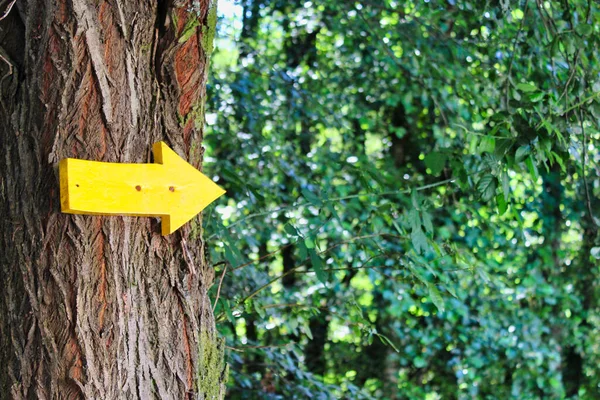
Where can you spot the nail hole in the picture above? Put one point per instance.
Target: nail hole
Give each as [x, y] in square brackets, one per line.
[138, 188]
[171, 188]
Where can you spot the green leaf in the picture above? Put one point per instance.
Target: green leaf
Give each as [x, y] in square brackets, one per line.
[414, 220]
[473, 143]
[519, 219]
[505, 185]
[370, 338]
[307, 332]
[385, 340]
[232, 256]
[419, 362]
[291, 230]
[502, 147]
[419, 241]
[311, 197]
[227, 308]
[584, 29]
[230, 175]
[483, 275]
[537, 96]
[365, 182]
[427, 221]
[487, 187]
[309, 243]
[414, 198]
[560, 161]
[317, 264]
[450, 290]
[526, 87]
[522, 152]
[417, 274]
[435, 161]
[302, 249]
[333, 212]
[502, 205]
[487, 144]
[398, 229]
[436, 297]
[494, 130]
[595, 252]
[532, 167]
[556, 384]
[260, 310]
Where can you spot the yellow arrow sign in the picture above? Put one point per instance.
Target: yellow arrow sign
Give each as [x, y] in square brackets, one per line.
[170, 188]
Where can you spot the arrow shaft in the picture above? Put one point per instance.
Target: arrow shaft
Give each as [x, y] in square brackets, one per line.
[91, 187]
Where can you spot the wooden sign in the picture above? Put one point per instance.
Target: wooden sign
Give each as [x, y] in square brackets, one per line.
[170, 188]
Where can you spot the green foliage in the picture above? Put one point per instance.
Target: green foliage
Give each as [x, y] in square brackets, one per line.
[411, 206]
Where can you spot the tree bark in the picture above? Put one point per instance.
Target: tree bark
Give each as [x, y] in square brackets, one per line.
[101, 307]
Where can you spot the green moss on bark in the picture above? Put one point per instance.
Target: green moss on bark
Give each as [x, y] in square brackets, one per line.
[212, 369]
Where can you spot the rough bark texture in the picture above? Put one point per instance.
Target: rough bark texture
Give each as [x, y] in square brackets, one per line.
[101, 307]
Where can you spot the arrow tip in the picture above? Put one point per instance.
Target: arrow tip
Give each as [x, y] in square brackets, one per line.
[181, 215]
[200, 190]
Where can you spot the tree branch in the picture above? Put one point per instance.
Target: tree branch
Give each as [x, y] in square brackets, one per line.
[334, 199]
[8, 8]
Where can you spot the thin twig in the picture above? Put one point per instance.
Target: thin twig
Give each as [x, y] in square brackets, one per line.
[294, 270]
[273, 346]
[190, 260]
[281, 248]
[512, 56]
[585, 182]
[539, 7]
[571, 76]
[271, 254]
[351, 240]
[579, 104]
[219, 288]
[442, 113]
[347, 268]
[293, 305]
[361, 266]
[10, 66]
[10, 6]
[333, 199]
[272, 281]
[477, 133]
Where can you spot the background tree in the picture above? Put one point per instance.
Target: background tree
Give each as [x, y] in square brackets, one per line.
[412, 207]
[101, 307]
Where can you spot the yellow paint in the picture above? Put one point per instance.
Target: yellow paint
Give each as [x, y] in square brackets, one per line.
[170, 188]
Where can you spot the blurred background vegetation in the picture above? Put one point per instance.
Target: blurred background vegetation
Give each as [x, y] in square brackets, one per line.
[412, 198]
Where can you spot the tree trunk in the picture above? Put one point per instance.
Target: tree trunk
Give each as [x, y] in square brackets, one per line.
[101, 307]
